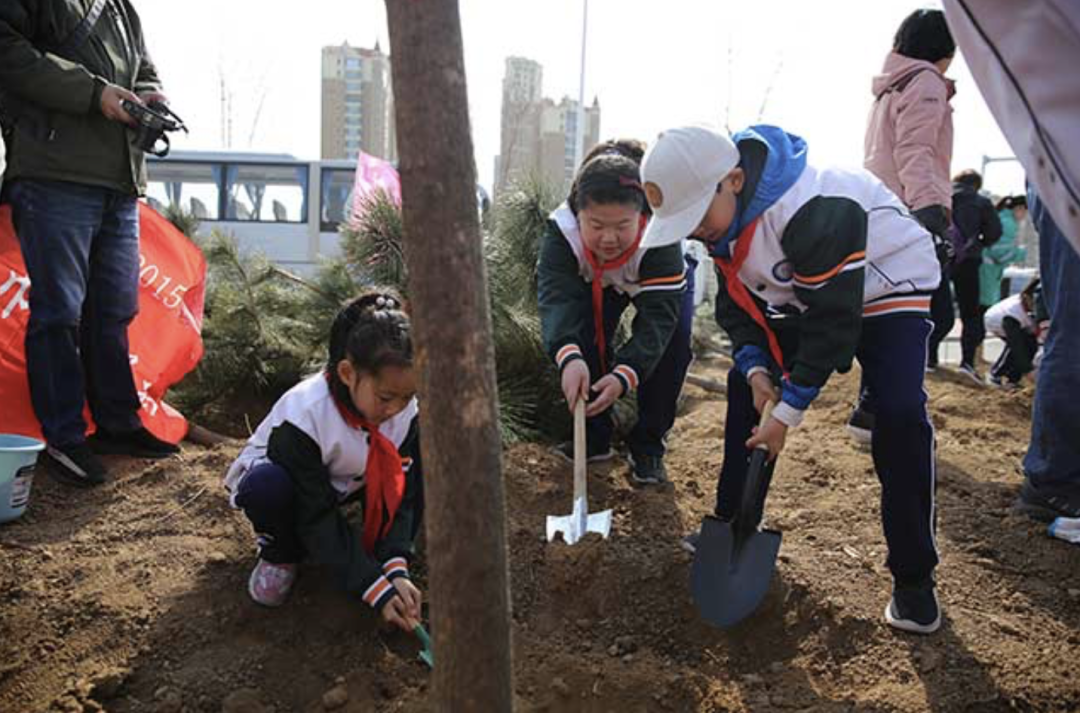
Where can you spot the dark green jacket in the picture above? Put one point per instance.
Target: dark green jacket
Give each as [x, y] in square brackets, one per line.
[53, 102]
[565, 302]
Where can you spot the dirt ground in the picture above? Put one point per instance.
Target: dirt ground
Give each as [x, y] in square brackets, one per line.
[132, 597]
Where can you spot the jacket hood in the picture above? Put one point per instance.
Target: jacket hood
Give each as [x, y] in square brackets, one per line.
[898, 68]
[773, 160]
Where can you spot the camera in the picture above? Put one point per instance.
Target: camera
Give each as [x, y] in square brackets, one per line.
[151, 122]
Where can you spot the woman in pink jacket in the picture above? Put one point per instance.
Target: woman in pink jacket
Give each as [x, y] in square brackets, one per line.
[909, 143]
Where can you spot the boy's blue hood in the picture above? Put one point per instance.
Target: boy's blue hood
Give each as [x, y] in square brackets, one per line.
[785, 159]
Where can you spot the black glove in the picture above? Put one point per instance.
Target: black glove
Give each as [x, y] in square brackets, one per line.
[936, 220]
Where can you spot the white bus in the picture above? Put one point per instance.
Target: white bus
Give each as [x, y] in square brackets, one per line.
[275, 204]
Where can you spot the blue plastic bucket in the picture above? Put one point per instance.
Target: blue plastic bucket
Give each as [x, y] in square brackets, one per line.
[18, 454]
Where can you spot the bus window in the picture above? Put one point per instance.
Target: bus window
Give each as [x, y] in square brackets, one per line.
[337, 185]
[194, 187]
[267, 193]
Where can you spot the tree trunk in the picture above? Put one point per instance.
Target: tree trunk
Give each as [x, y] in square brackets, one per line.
[466, 525]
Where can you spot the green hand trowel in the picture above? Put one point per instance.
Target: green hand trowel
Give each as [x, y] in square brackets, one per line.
[426, 654]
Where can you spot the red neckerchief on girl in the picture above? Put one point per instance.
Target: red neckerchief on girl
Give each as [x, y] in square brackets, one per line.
[598, 287]
[384, 478]
[739, 293]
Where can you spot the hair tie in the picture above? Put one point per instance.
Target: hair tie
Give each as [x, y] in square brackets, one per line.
[385, 302]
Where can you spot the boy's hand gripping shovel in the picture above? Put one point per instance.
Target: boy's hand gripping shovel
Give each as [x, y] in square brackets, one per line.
[574, 526]
[734, 561]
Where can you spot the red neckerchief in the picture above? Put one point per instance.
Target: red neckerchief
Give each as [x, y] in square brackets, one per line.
[739, 293]
[384, 480]
[598, 287]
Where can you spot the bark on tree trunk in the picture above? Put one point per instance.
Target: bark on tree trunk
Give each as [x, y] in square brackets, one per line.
[466, 525]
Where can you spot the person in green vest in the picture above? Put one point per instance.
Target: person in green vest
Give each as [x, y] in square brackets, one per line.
[1013, 211]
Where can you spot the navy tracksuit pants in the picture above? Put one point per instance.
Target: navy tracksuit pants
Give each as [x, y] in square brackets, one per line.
[657, 395]
[892, 352]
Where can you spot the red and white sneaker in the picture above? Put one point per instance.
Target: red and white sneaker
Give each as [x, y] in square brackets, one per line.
[270, 583]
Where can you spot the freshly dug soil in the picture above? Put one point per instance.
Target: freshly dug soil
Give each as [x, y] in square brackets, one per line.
[132, 597]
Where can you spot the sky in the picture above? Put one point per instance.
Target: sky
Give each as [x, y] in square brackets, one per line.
[806, 66]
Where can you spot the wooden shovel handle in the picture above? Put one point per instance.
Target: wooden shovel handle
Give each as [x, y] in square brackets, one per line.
[766, 412]
[580, 454]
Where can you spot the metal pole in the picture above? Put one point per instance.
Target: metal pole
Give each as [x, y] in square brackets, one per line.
[579, 140]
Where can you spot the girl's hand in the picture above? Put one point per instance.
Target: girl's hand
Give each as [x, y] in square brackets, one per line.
[410, 595]
[575, 382]
[608, 390]
[761, 384]
[396, 612]
[772, 435]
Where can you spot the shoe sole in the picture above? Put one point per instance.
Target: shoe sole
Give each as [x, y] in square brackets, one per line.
[912, 627]
[102, 449]
[687, 547]
[973, 377]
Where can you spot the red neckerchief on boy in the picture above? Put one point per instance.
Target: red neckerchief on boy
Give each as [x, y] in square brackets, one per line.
[739, 293]
[384, 478]
[598, 287]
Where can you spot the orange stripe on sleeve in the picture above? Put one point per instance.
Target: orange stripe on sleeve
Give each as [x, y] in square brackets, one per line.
[814, 279]
[922, 303]
[663, 280]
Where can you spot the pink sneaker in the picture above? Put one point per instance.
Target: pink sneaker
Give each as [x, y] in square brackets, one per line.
[270, 583]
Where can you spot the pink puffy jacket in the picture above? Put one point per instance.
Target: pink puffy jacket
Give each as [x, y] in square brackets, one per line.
[909, 137]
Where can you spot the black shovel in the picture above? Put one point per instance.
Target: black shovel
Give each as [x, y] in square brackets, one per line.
[734, 561]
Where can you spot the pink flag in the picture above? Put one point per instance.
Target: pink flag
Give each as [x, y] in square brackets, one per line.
[373, 174]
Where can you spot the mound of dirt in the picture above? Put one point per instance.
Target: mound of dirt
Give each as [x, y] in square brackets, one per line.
[132, 597]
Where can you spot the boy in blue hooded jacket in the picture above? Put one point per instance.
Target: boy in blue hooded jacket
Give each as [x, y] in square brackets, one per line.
[816, 267]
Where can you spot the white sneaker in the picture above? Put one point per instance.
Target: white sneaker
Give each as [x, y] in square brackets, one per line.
[270, 583]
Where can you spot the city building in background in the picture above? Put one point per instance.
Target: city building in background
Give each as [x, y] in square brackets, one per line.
[538, 135]
[357, 103]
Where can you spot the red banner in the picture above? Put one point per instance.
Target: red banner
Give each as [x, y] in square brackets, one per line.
[164, 339]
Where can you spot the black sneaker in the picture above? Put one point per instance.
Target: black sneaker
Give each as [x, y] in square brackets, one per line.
[647, 469]
[565, 451]
[138, 444]
[861, 426]
[690, 542]
[1047, 504]
[914, 608]
[75, 465]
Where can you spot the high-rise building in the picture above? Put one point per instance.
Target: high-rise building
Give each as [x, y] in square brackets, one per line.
[520, 115]
[538, 135]
[357, 103]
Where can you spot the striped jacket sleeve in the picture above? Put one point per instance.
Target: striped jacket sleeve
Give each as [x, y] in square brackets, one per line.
[826, 244]
[658, 303]
[563, 298]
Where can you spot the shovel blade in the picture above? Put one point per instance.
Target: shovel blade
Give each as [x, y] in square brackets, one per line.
[729, 578]
[571, 529]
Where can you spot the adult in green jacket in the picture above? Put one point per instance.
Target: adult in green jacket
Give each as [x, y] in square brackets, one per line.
[1012, 210]
[73, 180]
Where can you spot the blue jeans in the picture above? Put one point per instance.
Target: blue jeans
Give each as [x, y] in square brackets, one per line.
[81, 249]
[657, 395]
[1053, 456]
